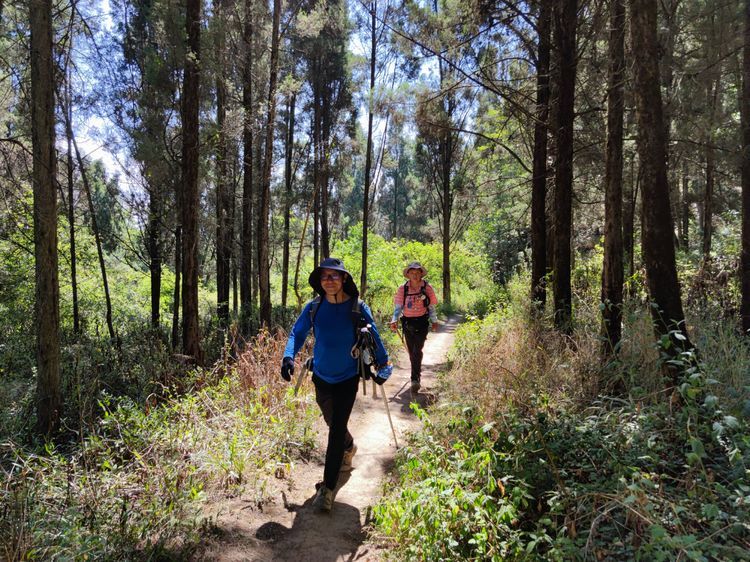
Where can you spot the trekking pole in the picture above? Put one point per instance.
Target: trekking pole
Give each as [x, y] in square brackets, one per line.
[390, 421]
[403, 341]
[302, 372]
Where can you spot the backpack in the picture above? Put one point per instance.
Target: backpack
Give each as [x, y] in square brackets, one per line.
[357, 316]
[423, 290]
[361, 340]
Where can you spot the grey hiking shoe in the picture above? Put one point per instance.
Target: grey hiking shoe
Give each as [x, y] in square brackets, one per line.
[323, 502]
[415, 386]
[346, 463]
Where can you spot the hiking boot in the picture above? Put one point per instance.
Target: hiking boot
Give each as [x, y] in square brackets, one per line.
[323, 502]
[415, 386]
[346, 463]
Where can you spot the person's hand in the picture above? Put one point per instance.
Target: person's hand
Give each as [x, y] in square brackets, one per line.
[384, 373]
[393, 326]
[287, 368]
[435, 326]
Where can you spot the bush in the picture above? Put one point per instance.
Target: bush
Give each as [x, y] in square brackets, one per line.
[134, 484]
[520, 463]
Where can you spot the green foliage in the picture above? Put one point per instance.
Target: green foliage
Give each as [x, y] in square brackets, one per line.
[470, 280]
[134, 485]
[511, 467]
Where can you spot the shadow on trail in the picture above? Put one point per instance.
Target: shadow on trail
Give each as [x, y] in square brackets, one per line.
[315, 536]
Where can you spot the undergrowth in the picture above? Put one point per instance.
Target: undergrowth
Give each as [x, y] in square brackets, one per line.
[528, 458]
[134, 486]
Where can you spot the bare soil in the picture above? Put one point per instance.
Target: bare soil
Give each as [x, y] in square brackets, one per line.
[287, 529]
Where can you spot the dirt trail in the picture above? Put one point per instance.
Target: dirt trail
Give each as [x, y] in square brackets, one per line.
[287, 529]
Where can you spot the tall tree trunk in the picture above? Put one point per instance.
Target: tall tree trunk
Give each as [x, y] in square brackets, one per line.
[177, 283]
[368, 153]
[708, 201]
[713, 99]
[97, 236]
[685, 214]
[190, 160]
[299, 251]
[670, 29]
[325, 233]
[155, 211]
[316, 178]
[223, 201]
[287, 197]
[47, 294]
[745, 163]
[630, 200]
[71, 210]
[247, 172]
[566, 43]
[539, 179]
[658, 232]
[612, 271]
[257, 186]
[264, 262]
[447, 211]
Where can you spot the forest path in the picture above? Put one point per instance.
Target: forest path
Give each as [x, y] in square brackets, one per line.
[287, 529]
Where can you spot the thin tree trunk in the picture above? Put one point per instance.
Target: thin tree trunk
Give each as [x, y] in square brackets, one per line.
[264, 262]
[708, 202]
[223, 203]
[299, 252]
[71, 212]
[47, 291]
[154, 252]
[190, 161]
[177, 284]
[247, 172]
[447, 210]
[257, 186]
[685, 215]
[657, 228]
[316, 179]
[566, 43]
[745, 163]
[368, 153]
[612, 271]
[287, 197]
[539, 179]
[325, 233]
[97, 237]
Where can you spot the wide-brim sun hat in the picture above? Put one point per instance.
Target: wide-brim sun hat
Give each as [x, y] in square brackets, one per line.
[350, 288]
[415, 265]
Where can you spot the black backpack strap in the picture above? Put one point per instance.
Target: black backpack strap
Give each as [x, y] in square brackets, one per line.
[424, 294]
[314, 306]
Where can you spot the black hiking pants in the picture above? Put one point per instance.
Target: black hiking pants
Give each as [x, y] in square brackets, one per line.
[415, 334]
[336, 402]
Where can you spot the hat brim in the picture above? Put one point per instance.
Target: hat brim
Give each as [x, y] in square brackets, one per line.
[422, 269]
[350, 287]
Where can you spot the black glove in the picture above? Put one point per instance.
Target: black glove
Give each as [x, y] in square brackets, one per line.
[287, 368]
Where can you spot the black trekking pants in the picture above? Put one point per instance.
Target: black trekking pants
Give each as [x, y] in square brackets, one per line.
[336, 402]
[415, 333]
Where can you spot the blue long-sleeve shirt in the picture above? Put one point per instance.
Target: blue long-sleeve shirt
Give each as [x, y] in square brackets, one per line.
[334, 339]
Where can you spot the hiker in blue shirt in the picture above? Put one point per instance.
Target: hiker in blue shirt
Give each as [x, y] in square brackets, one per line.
[335, 317]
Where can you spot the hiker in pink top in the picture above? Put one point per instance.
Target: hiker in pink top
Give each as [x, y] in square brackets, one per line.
[415, 303]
